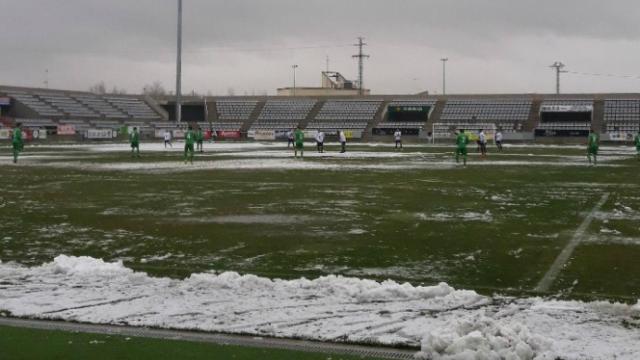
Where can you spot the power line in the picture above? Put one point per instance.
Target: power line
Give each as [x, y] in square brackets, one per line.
[633, 77]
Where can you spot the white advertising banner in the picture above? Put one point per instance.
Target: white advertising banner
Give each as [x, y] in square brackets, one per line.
[160, 133]
[621, 136]
[5, 134]
[264, 135]
[566, 108]
[100, 134]
[310, 134]
[39, 134]
[178, 134]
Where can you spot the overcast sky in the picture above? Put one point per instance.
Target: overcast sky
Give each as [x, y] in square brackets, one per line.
[493, 46]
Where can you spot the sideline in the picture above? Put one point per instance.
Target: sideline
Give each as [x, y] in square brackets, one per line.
[213, 338]
[563, 257]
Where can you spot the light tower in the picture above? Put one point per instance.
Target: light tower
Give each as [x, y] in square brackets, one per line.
[444, 75]
[360, 56]
[179, 67]
[558, 66]
[294, 67]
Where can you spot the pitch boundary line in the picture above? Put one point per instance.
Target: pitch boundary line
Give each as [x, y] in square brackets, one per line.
[213, 338]
[548, 279]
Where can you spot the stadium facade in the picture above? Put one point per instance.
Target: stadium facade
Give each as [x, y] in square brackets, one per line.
[520, 117]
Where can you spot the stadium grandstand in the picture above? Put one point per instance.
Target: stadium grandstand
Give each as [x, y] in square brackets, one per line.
[525, 117]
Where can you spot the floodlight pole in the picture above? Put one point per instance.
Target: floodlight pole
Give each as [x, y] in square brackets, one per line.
[179, 67]
[558, 66]
[444, 75]
[294, 67]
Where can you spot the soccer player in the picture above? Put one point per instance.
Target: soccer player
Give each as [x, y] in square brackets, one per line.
[498, 140]
[199, 139]
[134, 138]
[637, 142]
[482, 140]
[343, 141]
[398, 136]
[592, 147]
[189, 139]
[461, 146]
[17, 142]
[290, 138]
[299, 145]
[167, 139]
[320, 141]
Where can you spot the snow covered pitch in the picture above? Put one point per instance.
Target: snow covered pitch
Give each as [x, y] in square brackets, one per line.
[528, 254]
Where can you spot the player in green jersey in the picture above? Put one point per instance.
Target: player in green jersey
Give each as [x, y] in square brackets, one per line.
[637, 142]
[189, 139]
[461, 146]
[199, 139]
[593, 143]
[299, 142]
[134, 139]
[17, 142]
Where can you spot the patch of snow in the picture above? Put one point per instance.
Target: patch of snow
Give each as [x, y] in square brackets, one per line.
[465, 216]
[444, 322]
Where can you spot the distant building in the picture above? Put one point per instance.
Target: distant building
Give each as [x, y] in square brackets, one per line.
[333, 84]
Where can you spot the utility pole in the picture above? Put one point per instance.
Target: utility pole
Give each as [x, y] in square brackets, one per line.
[179, 67]
[327, 63]
[46, 78]
[444, 75]
[558, 66]
[361, 56]
[294, 67]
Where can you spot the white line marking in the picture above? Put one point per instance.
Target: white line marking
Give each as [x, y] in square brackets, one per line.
[563, 257]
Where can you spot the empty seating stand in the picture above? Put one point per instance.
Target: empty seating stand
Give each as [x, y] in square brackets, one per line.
[35, 104]
[283, 114]
[622, 115]
[509, 115]
[345, 115]
[100, 106]
[232, 114]
[36, 123]
[67, 105]
[133, 107]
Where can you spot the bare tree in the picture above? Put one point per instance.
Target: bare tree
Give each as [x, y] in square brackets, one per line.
[99, 88]
[155, 89]
[116, 91]
[231, 91]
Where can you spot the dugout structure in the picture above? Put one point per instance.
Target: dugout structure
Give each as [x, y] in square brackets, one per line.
[565, 118]
[410, 116]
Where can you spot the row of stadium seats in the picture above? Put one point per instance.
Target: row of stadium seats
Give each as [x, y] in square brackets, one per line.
[483, 110]
[235, 109]
[338, 125]
[569, 125]
[283, 114]
[84, 106]
[349, 110]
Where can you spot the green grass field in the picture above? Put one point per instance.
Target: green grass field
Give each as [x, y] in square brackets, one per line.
[495, 226]
[26, 344]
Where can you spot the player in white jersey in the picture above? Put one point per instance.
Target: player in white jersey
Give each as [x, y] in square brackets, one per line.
[343, 141]
[398, 137]
[167, 139]
[320, 141]
[498, 139]
[482, 141]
